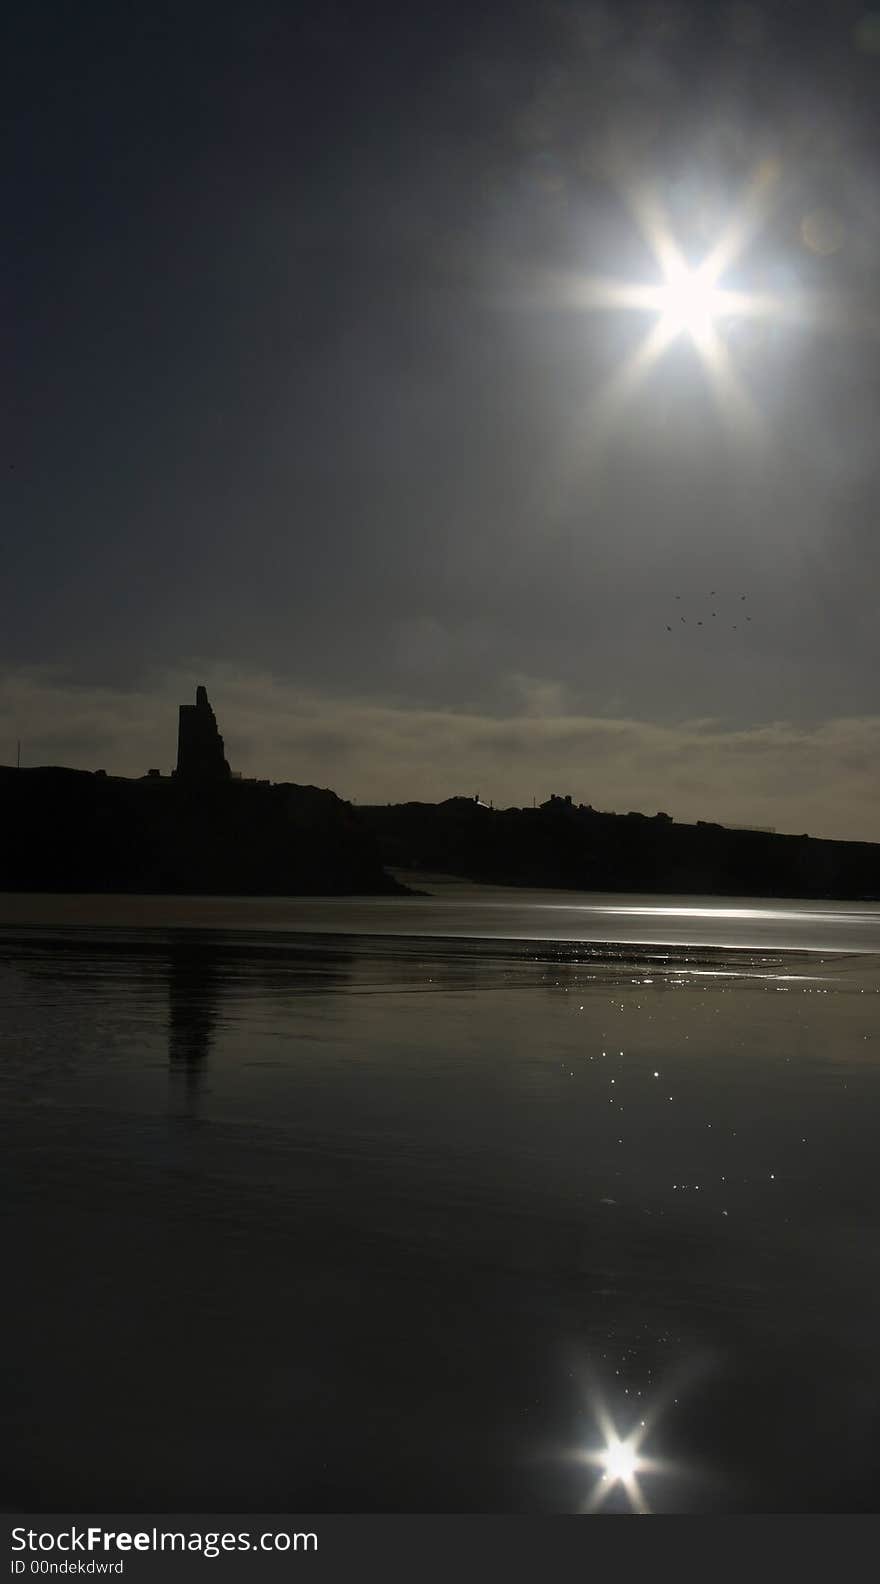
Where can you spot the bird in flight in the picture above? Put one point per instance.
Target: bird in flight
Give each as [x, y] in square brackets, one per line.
[699, 622]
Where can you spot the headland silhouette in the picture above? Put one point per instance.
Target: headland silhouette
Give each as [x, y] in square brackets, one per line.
[200, 831]
[204, 830]
[564, 844]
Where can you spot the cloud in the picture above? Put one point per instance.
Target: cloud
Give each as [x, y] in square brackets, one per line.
[821, 778]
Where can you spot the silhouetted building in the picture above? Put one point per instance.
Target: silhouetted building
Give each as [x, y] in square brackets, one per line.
[200, 754]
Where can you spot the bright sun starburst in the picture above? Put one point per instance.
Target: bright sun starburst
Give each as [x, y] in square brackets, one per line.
[689, 302]
[690, 306]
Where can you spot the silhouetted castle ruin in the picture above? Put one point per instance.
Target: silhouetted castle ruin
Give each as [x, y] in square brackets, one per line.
[200, 831]
[200, 754]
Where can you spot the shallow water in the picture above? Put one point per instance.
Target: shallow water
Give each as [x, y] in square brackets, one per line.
[373, 1220]
[459, 909]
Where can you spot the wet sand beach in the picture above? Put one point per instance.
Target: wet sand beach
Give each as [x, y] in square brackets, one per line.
[309, 1213]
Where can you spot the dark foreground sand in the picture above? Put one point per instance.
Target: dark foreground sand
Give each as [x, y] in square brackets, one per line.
[349, 1223]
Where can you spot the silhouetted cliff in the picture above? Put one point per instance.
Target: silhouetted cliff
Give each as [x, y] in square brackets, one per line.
[561, 844]
[70, 830]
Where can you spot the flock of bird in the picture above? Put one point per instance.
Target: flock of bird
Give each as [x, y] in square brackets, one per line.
[713, 615]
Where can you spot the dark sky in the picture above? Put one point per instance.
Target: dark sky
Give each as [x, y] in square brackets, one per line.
[296, 407]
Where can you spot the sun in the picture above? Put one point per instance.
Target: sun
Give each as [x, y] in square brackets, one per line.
[689, 303]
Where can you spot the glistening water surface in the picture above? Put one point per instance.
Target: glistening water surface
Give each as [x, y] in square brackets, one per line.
[367, 1206]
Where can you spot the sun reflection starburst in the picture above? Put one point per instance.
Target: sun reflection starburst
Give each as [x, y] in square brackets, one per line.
[622, 1471]
[621, 1431]
[620, 1463]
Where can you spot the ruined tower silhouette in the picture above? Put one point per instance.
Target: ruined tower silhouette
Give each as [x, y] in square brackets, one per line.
[200, 754]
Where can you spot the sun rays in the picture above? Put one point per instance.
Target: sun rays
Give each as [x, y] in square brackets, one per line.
[707, 367]
[623, 1475]
[619, 1463]
[687, 303]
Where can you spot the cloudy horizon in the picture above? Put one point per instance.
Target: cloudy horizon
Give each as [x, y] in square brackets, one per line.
[370, 751]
